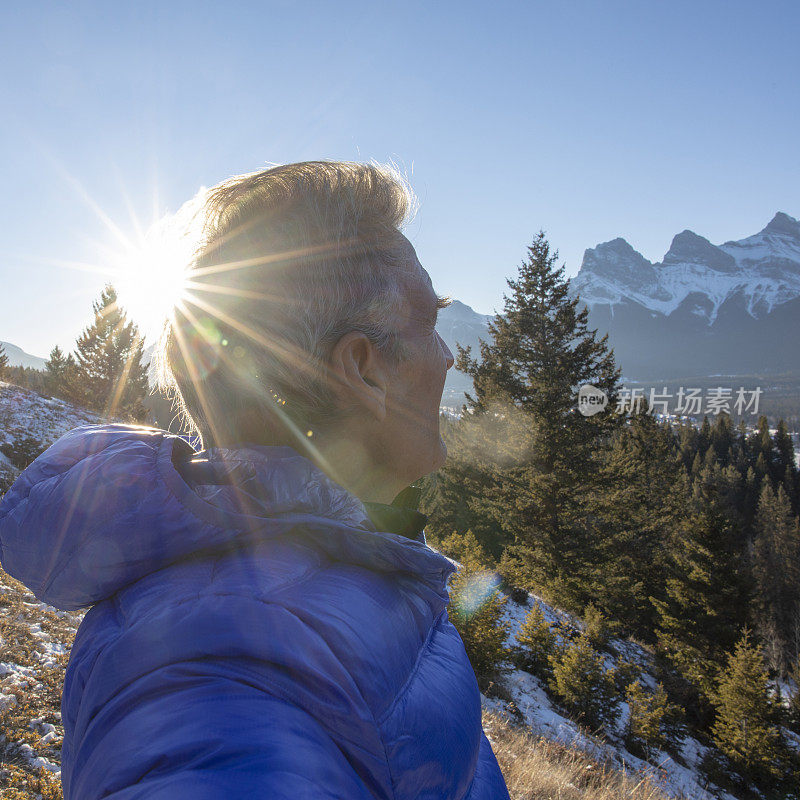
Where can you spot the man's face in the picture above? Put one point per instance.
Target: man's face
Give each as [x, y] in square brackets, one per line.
[414, 392]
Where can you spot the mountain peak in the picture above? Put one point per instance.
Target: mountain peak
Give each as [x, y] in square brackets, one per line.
[617, 262]
[619, 244]
[463, 313]
[783, 225]
[689, 248]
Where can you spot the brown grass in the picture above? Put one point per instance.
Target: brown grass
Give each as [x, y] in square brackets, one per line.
[539, 769]
[33, 693]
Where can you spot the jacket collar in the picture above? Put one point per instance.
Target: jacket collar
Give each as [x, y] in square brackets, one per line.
[402, 517]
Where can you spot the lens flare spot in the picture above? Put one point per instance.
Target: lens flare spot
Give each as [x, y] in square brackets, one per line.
[476, 590]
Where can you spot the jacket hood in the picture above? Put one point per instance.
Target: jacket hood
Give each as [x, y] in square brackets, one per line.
[108, 504]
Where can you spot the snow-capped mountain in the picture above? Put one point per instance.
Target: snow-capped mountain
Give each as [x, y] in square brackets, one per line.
[705, 308]
[19, 358]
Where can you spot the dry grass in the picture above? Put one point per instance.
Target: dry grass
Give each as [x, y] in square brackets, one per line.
[34, 649]
[540, 769]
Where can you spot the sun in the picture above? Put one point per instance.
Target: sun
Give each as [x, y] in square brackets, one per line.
[151, 273]
[150, 281]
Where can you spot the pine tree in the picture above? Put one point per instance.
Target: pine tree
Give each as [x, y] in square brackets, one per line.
[476, 609]
[706, 601]
[786, 467]
[545, 465]
[4, 365]
[784, 448]
[108, 375]
[583, 685]
[794, 700]
[688, 437]
[752, 491]
[776, 569]
[537, 643]
[649, 715]
[766, 457]
[745, 729]
[639, 500]
[704, 437]
[597, 627]
[466, 550]
[58, 373]
[722, 438]
[462, 496]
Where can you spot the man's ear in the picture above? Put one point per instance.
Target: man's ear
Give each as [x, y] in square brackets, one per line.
[357, 374]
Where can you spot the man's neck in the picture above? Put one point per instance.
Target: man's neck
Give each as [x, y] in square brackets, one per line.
[348, 462]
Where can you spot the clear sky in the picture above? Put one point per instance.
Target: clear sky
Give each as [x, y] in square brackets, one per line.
[590, 120]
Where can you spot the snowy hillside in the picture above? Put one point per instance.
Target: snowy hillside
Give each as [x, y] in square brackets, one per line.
[677, 774]
[29, 423]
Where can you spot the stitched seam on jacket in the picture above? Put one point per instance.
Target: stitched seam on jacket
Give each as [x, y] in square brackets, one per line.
[407, 683]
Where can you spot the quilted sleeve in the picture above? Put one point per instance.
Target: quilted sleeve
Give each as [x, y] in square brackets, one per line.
[216, 697]
[205, 738]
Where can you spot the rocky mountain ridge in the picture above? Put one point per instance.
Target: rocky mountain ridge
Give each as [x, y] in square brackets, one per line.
[705, 309]
[762, 271]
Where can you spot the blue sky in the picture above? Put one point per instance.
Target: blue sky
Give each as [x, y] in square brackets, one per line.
[590, 120]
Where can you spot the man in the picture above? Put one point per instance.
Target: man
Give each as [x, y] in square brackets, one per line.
[263, 624]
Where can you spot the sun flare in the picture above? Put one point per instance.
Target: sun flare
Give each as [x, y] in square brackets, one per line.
[151, 281]
[151, 274]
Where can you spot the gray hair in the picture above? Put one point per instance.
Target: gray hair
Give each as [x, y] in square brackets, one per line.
[292, 258]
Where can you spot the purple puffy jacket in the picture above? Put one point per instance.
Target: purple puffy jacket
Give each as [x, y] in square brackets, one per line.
[251, 633]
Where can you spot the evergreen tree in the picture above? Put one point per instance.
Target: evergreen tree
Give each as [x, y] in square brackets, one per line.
[740, 456]
[688, 437]
[476, 609]
[776, 570]
[58, 373]
[639, 501]
[704, 611]
[784, 449]
[745, 729]
[786, 467]
[650, 714]
[537, 643]
[463, 496]
[766, 457]
[583, 685]
[704, 437]
[722, 438]
[466, 550]
[752, 486]
[794, 700]
[108, 375]
[546, 463]
[4, 365]
[597, 627]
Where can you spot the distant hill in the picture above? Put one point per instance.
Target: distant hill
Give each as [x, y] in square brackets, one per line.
[458, 323]
[19, 358]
